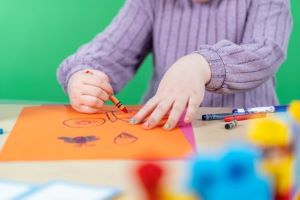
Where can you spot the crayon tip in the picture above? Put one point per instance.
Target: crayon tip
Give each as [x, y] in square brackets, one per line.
[125, 110]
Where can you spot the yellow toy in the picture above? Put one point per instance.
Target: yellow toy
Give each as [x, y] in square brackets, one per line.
[273, 138]
[166, 195]
[294, 111]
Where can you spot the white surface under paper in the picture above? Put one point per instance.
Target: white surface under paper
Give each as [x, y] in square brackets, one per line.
[10, 190]
[66, 191]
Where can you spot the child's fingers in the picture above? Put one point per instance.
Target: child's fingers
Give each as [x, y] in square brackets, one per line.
[94, 91]
[98, 81]
[159, 112]
[87, 109]
[100, 74]
[175, 114]
[107, 88]
[144, 111]
[193, 105]
[84, 109]
[90, 101]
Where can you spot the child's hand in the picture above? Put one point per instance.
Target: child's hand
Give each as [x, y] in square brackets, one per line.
[88, 90]
[182, 87]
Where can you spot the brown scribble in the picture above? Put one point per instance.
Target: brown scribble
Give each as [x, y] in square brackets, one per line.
[125, 138]
[84, 122]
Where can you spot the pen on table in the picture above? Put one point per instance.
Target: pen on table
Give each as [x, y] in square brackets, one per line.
[245, 117]
[220, 116]
[268, 109]
[231, 124]
[113, 99]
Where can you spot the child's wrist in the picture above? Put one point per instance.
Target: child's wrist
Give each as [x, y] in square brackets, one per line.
[204, 65]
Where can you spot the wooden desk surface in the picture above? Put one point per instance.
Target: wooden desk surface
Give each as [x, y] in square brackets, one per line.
[117, 173]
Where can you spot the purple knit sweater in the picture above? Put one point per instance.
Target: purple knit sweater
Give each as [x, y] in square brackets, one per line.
[244, 41]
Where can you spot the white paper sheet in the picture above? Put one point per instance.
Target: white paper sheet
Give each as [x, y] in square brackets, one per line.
[11, 190]
[66, 191]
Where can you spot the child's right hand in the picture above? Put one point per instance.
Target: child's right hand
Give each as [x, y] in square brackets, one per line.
[88, 90]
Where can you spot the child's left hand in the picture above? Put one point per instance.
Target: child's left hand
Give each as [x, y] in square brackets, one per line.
[182, 87]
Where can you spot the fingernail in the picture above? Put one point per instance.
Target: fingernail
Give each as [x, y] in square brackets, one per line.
[132, 121]
[167, 126]
[146, 125]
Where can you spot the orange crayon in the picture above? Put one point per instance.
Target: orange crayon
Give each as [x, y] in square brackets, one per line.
[118, 104]
[114, 99]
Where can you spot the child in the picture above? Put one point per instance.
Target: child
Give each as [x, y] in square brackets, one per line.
[213, 53]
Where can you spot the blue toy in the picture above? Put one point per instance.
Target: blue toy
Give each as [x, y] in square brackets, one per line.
[233, 176]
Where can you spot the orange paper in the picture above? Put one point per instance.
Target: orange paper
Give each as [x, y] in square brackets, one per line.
[60, 133]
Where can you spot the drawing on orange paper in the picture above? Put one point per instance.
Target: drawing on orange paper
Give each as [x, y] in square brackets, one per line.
[114, 116]
[125, 138]
[84, 122]
[80, 141]
[51, 132]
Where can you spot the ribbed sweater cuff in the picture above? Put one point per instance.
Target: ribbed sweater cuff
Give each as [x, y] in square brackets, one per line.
[217, 66]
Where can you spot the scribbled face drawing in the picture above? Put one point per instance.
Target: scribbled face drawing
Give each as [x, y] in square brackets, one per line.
[84, 122]
[80, 140]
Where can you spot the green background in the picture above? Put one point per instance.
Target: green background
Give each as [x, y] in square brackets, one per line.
[35, 36]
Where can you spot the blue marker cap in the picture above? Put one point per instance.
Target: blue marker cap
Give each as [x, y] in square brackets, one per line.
[1, 131]
[281, 108]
